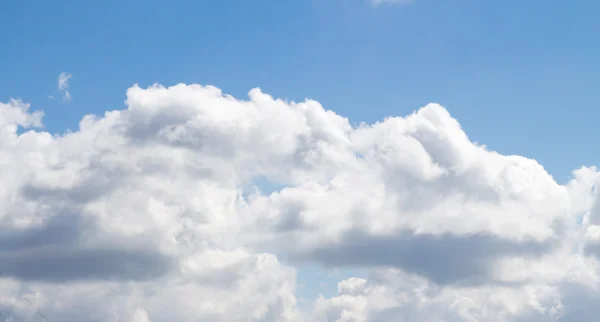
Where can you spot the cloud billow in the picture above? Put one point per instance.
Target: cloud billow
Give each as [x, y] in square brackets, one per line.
[148, 214]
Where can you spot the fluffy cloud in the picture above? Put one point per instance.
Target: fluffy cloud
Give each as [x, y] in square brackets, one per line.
[150, 214]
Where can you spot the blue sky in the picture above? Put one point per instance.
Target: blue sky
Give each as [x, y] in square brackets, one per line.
[520, 76]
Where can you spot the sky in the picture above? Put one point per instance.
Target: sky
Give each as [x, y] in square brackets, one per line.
[306, 160]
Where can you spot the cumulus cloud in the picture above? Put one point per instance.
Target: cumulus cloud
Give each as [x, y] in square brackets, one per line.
[63, 86]
[150, 214]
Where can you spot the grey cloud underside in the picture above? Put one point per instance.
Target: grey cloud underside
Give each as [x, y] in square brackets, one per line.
[62, 229]
[411, 313]
[51, 264]
[56, 252]
[592, 248]
[90, 189]
[446, 259]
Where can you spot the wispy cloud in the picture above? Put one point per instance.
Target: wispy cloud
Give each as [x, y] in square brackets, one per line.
[63, 86]
[376, 3]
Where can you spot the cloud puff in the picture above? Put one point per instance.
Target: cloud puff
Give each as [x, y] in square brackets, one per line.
[63, 86]
[150, 214]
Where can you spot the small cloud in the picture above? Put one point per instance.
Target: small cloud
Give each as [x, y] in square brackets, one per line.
[63, 86]
[376, 3]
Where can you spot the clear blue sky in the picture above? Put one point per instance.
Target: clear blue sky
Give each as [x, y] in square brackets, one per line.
[521, 76]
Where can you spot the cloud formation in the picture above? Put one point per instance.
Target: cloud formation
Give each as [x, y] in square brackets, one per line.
[63, 86]
[151, 214]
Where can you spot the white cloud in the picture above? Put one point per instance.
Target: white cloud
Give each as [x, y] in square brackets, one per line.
[16, 113]
[63, 86]
[144, 214]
